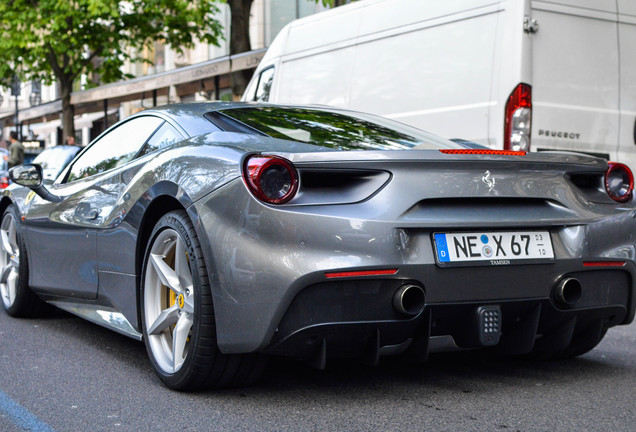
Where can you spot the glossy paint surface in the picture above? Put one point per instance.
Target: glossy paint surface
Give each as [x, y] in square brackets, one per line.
[356, 210]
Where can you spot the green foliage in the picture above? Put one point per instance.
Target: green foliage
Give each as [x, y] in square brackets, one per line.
[327, 129]
[51, 40]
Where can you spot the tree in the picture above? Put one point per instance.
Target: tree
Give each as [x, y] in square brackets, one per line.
[60, 40]
[240, 38]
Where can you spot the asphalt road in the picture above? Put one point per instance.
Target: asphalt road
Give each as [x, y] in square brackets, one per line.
[64, 374]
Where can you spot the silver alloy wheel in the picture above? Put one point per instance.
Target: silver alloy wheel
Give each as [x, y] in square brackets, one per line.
[9, 260]
[168, 301]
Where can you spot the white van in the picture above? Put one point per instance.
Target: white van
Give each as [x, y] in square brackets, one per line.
[518, 74]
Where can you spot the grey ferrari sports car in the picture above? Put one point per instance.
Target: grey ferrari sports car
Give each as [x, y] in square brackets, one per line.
[222, 233]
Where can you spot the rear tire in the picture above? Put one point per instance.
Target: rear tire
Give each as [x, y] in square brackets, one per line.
[17, 298]
[178, 320]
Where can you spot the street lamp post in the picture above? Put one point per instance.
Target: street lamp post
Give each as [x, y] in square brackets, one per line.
[15, 91]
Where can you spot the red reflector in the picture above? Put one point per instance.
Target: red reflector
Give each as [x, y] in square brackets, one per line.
[604, 264]
[485, 152]
[361, 273]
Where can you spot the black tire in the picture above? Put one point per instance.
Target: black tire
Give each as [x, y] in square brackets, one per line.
[24, 303]
[203, 365]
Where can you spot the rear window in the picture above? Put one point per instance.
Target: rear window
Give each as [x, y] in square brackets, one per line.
[332, 129]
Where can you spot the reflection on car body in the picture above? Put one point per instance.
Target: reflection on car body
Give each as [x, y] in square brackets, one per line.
[221, 233]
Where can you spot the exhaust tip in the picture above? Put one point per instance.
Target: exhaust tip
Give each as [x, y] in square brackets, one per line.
[568, 292]
[409, 299]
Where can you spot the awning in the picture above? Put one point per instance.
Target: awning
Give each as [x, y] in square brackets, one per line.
[46, 127]
[183, 75]
[81, 121]
[49, 109]
[115, 93]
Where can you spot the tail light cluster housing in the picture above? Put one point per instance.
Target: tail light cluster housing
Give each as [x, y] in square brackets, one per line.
[272, 179]
[619, 182]
[518, 121]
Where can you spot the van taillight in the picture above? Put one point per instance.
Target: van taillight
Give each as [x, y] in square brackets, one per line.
[518, 119]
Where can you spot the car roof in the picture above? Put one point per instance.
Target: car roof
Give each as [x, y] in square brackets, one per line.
[190, 116]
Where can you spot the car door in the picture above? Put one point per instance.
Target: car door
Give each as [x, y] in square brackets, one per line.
[575, 66]
[62, 236]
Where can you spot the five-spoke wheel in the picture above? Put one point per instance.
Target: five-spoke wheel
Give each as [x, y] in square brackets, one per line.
[17, 298]
[178, 317]
[168, 300]
[9, 260]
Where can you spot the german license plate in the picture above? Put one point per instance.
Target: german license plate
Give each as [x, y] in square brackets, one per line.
[493, 248]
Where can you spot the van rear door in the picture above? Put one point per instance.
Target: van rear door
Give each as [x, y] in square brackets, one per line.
[317, 64]
[575, 88]
[627, 47]
[428, 64]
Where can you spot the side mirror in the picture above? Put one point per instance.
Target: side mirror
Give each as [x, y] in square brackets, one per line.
[31, 176]
[27, 175]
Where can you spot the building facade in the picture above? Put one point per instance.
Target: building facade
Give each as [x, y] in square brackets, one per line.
[199, 74]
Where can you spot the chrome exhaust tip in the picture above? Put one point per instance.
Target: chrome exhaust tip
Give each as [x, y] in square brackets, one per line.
[568, 292]
[409, 299]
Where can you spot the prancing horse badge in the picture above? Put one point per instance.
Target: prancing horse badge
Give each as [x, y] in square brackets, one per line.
[489, 179]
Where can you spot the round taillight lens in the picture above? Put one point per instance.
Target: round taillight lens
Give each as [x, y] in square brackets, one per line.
[271, 179]
[619, 182]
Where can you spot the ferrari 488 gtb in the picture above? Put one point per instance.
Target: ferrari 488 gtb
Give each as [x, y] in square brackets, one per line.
[221, 233]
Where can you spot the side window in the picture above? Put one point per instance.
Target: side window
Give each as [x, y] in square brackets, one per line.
[249, 94]
[115, 148]
[163, 137]
[264, 85]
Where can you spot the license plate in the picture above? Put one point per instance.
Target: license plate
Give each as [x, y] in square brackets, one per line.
[493, 248]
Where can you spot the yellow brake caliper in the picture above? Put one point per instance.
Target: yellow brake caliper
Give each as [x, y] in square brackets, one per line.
[172, 298]
[188, 261]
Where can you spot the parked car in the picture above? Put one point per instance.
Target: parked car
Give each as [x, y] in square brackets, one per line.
[54, 159]
[4, 169]
[519, 75]
[220, 233]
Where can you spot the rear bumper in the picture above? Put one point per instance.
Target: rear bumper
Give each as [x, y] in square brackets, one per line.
[263, 261]
[356, 317]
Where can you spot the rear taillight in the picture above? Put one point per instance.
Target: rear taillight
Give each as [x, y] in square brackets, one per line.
[4, 182]
[619, 182]
[271, 179]
[518, 119]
